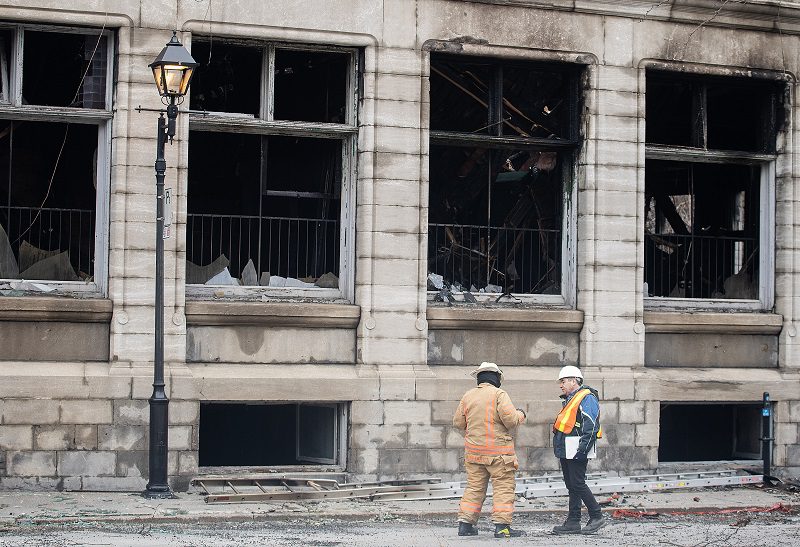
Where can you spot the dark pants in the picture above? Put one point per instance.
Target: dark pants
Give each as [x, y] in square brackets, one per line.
[575, 479]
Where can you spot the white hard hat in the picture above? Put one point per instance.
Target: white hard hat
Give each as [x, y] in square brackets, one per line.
[487, 367]
[570, 372]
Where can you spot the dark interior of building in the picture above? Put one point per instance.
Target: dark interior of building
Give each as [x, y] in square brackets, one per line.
[239, 434]
[709, 432]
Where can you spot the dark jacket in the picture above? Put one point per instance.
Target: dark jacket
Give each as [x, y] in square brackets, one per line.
[587, 424]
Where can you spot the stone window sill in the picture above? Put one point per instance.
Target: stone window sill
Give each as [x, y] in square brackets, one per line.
[48, 308]
[273, 314]
[505, 319]
[712, 323]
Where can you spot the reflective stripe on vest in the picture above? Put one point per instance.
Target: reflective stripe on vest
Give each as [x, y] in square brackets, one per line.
[565, 421]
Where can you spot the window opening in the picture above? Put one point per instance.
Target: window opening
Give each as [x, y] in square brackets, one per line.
[702, 230]
[257, 434]
[311, 85]
[710, 150]
[48, 210]
[734, 435]
[502, 143]
[54, 65]
[53, 173]
[266, 203]
[228, 78]
[272, 217]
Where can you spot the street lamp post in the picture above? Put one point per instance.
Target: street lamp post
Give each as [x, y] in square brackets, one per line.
[173, 70]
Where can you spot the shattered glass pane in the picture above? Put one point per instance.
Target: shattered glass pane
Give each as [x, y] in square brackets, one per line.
[269, 212]
[62, 69]
[47, 200]
[669, 112]
[536, 103]
[496, 219]
[311, 86]
[459, 95]
[701, 230]
[228, 78]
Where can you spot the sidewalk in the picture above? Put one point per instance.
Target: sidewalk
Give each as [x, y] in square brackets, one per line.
[44, 508]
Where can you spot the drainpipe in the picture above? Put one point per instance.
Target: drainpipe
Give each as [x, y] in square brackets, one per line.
[766, 439]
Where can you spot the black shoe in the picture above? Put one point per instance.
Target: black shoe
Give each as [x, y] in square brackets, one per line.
[569, 527]
[505, 531]
[467, 529]
[594, 524]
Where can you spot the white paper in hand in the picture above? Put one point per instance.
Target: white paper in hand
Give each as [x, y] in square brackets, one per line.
[571, 444]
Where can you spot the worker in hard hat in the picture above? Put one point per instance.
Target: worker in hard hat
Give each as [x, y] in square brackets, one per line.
[487, 415]
[575, 433]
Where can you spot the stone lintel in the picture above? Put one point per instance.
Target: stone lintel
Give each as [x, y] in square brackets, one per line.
[284, 314]
[712, 323]
[505, 319]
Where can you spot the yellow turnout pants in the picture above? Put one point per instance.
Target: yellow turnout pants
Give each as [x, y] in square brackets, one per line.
[501, 470]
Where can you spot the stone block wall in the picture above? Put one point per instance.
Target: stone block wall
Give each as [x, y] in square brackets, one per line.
[89, 444]
[78, 420]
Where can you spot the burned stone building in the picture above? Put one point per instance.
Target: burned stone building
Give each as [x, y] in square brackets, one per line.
[370, 197]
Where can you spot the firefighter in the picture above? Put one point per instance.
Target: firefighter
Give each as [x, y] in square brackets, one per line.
[575, 432]
[487, 415]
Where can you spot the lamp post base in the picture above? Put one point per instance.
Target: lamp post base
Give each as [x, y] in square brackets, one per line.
[158, 494]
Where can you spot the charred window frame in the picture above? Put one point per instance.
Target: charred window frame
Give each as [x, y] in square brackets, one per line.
[504, 136]
[56, 86]
[271, 200]
[709, 190]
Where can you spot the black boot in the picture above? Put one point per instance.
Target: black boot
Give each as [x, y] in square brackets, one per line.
[505, 531]
[467, 529]
[569, 527]
[594, 524]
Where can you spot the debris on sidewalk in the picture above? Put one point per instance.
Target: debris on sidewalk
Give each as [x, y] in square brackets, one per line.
[629, 513]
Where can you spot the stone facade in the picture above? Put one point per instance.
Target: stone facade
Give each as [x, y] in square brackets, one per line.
[76, 373]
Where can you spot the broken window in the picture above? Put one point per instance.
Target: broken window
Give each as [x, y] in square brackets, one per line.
[503, 135]
[53, 167]
[710, 152]
[269, 204]
[735, 435]
[258, 434]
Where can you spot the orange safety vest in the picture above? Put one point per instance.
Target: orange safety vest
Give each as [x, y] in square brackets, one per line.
[565, 421]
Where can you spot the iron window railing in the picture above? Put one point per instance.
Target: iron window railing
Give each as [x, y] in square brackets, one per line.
[519, 260]
[694, 266]
[299, 248]
[39, 234]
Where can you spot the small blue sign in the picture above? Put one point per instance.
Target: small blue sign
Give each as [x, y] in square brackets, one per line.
[765, 412]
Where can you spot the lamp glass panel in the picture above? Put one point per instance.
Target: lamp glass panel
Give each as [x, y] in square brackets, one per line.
[157, 75]
[173, 76]
[187, 76]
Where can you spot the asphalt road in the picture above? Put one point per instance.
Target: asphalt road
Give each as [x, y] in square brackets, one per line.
[666, 530]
